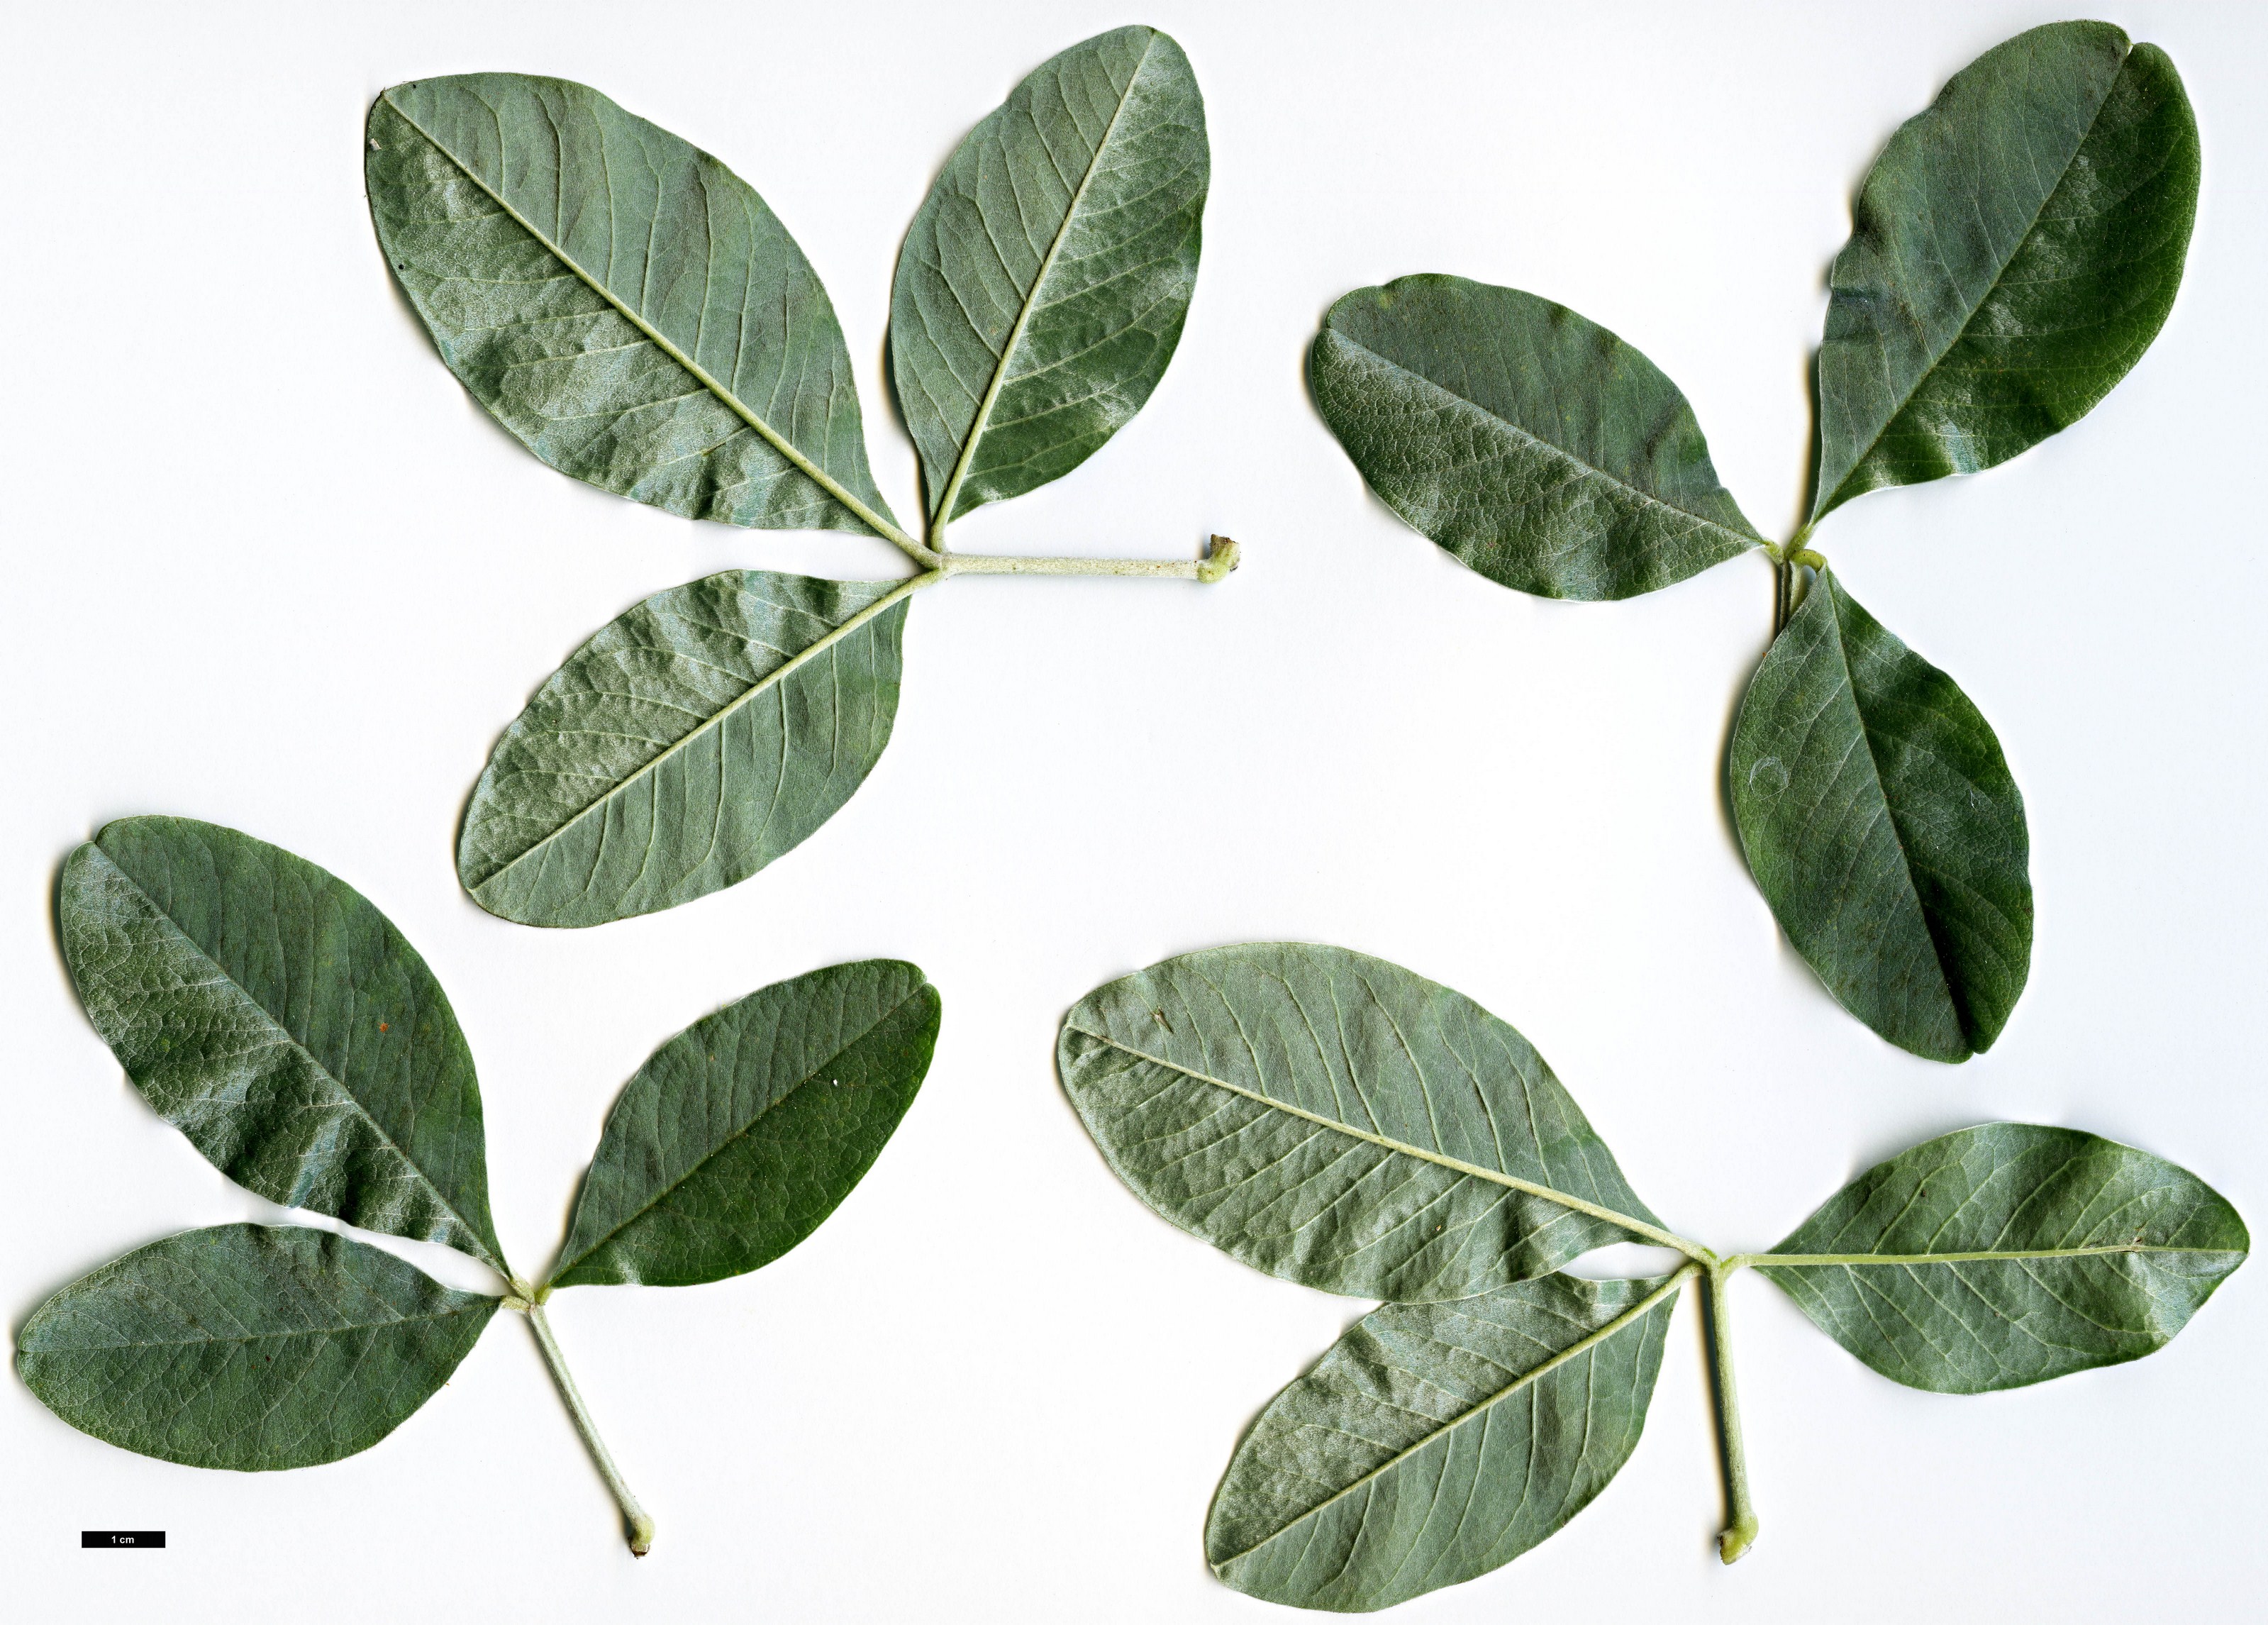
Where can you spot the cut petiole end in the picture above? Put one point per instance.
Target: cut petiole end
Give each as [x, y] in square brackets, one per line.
[1734, 1544]
[1221, 557]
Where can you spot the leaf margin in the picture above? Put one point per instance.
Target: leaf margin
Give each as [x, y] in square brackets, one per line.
[479, 1238]
[1334, 344]
[576, 1267]
[362, 1255]
[1654, 1302]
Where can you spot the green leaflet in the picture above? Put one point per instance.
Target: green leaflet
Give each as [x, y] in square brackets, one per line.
[2013, 252]
[285, 1027]
[745, 1130]
[622, 302]
[270, 1013]
[1043, 284]
[248, 1347]
[1333, 1119]
[1436, 1442]
[1880, 820]
[2008, 1254]
[696, 738]
[1536, 447]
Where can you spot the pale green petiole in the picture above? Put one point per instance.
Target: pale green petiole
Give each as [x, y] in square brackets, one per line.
[1739, 1532]
[1219, 561]
[1740, 1515]
[1789, 561]
[637, 1525]
[1216, 564]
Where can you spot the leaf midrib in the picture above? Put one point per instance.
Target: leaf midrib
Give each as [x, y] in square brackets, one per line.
[1743, 539]
[483, 1302]
[737, 1134]
[493, 1260]
[818, 475]
[1937, 950]
[1581, 1346]
[1827, 1261]
[1969, 318]
[1640, 1227]
[702, 729]
[977, 424]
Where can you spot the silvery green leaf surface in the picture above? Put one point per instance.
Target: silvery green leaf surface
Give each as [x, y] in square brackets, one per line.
[1043, 284]
[1436, 1442]
[624, 304]
[2013, 252]
[248, 1347]
[2008, 1254]
[1882, 825]
[1536, 447]
[745, 1130]
[268, 1012]
[692, 741]
[1333, 1119]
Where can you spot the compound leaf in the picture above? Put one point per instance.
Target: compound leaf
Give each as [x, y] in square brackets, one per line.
[2008, 1254]
[745, 1130]
[1882, 822]
[248, 1347]
[1436, 1442]
[687, 744]
[1333, 1119]
[622, 303]
[1043, 284]
[1534, 445]
[268, 1012]
[2013, 252]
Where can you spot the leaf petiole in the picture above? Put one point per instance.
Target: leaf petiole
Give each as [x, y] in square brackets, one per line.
[1788, 563]
[637, 1525]
[1221, 557]
[1740, 1516]
[1784, 560]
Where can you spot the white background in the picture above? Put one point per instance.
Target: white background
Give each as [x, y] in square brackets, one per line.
[268, 566]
